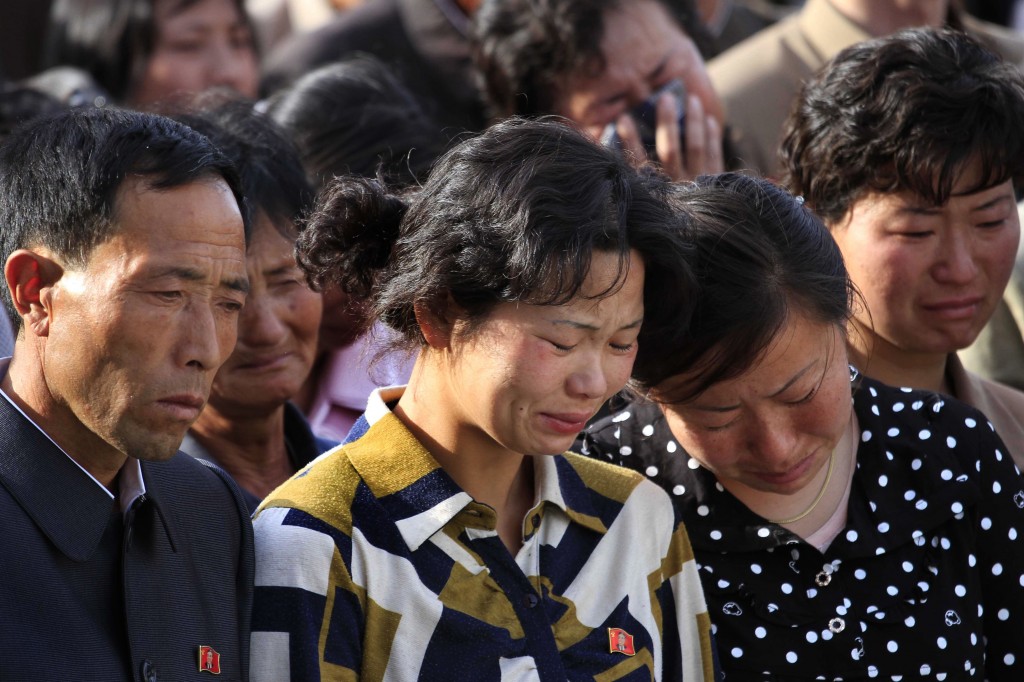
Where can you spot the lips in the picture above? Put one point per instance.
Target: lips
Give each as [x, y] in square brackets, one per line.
[962, 307]
[788, 476]
[261, 362]
[185, 406]
[567, 423]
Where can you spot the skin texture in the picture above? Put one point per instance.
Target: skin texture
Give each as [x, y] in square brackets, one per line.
[202, 46]
[644, 49]
[930, 276]
[277, 331]
[243, 424]
[523, 382]
[768, 434]
[117, 357]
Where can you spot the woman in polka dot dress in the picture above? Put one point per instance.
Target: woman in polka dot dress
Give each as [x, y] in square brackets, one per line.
[838, 539]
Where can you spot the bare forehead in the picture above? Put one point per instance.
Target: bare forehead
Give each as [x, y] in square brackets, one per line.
[204, 213]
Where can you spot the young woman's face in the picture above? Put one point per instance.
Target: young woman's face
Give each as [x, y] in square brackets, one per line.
[774, 427]
[931, 276]
[197, 46]
[528, 378]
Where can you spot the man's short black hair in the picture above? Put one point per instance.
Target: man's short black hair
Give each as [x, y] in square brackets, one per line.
[59, 177]
[908, 112]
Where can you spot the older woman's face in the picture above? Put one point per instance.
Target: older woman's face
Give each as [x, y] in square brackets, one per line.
[527, 379]
[277, 330]
[931, 276]
[197, 46]
[643, 49]
[773, 428]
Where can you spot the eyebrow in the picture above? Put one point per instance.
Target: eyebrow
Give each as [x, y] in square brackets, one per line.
[240, 284]
[992, 203]
[283, 268]
[789, 384]
[592, 328]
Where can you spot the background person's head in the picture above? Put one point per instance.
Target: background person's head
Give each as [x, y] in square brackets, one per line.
[277, 329]
[588, 60]
[908, 147]
[354, 117]
[153, 53]
[513, 220]
[124, 249]
[758, 389]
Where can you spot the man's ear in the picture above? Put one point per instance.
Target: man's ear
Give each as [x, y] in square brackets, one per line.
[30, 277]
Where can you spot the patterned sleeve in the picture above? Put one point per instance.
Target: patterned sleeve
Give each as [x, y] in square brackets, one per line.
[307, 617]
[1000, 519]
[689, 647]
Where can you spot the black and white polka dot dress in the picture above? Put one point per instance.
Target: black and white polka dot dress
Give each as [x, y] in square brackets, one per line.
[926, 580]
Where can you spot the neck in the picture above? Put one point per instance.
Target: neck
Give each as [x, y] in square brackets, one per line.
[26, 386]
[882, 17]
[489, 473]
[811, 507]
[303, 399]
[883, 361]
[252, 449]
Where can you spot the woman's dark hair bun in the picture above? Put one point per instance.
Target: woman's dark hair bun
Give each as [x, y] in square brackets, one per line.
[348, 238]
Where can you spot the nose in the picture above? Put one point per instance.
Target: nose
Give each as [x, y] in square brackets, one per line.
[956, 263]
[205, 340]
[232, 67]
[259, 325]
[774, 442]
[589, 379]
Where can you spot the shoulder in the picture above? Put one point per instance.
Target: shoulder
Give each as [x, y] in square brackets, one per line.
[763, 54]
[602, 477]
[324, 490]
[1007, 43]
[881, 405]
[184, 481]
[358, 29]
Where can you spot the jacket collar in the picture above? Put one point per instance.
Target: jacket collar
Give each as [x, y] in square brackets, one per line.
[416, 492]
[70, 507]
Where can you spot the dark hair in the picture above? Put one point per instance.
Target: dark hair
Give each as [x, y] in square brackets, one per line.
[907, 112]
[511, 215]
[272, 177]
[760, 254]
[356, 118]
[60, 174]
[111, 39]
[524, 49]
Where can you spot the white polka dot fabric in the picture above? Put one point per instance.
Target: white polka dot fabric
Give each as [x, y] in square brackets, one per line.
[926, 581]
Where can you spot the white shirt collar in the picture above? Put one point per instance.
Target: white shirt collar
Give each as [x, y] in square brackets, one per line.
[131, 484]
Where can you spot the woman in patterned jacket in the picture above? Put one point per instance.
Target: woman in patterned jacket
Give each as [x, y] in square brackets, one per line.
[837, 539]
[450, 538]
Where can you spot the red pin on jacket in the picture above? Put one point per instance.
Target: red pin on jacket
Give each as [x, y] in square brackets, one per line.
[209, 659]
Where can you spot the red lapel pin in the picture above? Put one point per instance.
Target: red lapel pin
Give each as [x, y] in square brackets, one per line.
[621, 642]
[209, 660]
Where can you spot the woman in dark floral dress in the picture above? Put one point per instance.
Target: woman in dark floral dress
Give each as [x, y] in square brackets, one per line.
[838, 539]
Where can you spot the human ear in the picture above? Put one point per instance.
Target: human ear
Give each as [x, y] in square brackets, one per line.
[30, 277]
[436, 330]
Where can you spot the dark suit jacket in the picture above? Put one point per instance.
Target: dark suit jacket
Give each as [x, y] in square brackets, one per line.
[87, 596]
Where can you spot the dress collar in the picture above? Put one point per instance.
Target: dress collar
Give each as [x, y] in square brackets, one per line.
[418, 494]
[914, 491]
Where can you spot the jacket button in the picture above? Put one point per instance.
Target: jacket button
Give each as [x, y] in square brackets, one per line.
[531, 600]
[148, 671]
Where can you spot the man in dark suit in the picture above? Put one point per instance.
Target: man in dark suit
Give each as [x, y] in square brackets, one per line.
[124, 260]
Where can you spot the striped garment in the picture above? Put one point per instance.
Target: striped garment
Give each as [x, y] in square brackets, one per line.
[372, 564]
